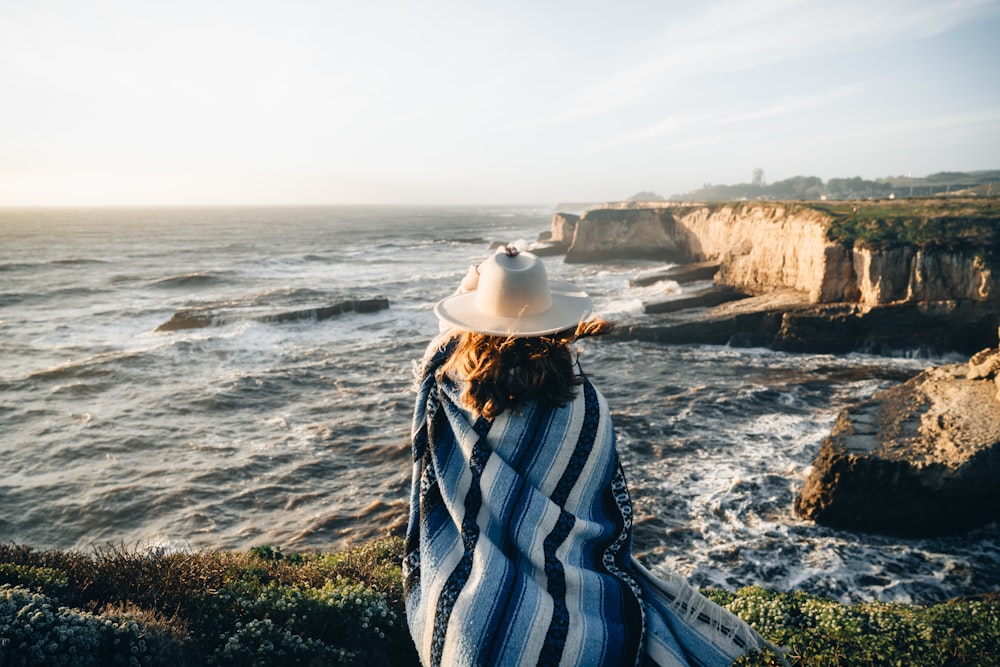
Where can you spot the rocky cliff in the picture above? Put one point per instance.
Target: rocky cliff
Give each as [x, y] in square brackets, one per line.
[921, 458]
[851, 295]
[763, 246]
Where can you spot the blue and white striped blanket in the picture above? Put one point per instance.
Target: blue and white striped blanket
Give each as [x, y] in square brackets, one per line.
[519, 544]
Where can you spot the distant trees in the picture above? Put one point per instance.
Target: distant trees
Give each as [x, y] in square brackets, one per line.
[796, 187]
[857, 188]
[646, 196]
[813, 188]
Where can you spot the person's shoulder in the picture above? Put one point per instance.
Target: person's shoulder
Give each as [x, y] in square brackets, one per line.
[442, 344]
[437, 352]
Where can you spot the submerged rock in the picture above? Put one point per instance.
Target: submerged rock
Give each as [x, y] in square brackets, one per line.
[785, 320]
[197, 318]
[326, 312]
[679, 273]
[921, 458]
[704, 298]
[189, 318]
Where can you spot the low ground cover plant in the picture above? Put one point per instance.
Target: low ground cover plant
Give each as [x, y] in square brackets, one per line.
[263, 607]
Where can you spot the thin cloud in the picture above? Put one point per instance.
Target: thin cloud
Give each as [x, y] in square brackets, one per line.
[673, 125]
[916, 126]
[741, 36]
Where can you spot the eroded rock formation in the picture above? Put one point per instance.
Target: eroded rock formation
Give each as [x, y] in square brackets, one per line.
[851, 297]
[762, 246]
[921, 458]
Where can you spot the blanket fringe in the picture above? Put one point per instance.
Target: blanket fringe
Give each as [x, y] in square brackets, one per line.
[725, 629]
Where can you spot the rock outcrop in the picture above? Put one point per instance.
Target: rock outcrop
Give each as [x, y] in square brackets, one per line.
[985, 365]
[703, 298]
[784, 321]
[557, 240]
[198, 318]
[921, 458]
[682, 273]
[563, 228]
[852, 297]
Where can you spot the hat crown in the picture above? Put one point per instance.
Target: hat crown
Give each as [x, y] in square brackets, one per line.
[514, 297]
[513, 286]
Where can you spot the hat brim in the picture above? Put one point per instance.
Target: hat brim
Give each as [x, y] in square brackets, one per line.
[569, 307]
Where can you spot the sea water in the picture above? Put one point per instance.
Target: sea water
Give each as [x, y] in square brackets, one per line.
[240, 430]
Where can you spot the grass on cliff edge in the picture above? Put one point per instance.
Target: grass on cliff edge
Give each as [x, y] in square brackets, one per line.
[263, 607]
[950, 224]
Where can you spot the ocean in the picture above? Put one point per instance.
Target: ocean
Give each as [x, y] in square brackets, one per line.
[269, 418]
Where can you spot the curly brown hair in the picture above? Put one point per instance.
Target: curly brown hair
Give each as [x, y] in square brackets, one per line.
[503, 372]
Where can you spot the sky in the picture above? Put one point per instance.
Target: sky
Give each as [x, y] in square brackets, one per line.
[218, 102]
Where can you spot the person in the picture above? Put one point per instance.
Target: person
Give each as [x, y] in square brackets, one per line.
[519, 541]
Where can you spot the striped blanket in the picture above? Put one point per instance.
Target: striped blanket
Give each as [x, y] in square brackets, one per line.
[519, 544]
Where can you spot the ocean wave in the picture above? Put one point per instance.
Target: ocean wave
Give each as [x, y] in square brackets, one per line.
[78, 261]
[49, 294]
[98, 365]
[13, 298]
[77, 390]
[191, 280]
[19, 266]
[286, 296]
[466, 240]
[323, 259]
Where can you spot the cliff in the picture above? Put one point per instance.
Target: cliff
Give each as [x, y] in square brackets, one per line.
[921, 458]
[859, 285]
[762, 246]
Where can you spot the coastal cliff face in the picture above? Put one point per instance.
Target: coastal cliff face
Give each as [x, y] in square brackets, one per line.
[563, 227]
[759, 246]
[907, 274]
[603, 235]
[764, 246]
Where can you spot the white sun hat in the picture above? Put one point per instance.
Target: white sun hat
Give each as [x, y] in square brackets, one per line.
[515, 298]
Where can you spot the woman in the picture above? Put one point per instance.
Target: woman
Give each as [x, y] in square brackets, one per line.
[519, 541]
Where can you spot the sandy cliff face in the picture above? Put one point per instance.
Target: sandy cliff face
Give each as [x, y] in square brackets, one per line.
[908, 274]
[764, 246]
[563, 227]
[760, 246]
[609, 234]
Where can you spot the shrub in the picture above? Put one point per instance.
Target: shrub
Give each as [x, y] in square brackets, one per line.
[253, 608]
[821, 632]
[261, 643]
[47, 580]
[347, 618]
[34, 631]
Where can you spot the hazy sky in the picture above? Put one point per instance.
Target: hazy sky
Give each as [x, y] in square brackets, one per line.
[440, 101]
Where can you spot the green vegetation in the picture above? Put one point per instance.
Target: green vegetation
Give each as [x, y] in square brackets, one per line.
[976, 183]
[645, 195]
[951, 224]
[224, 608]
[818, 632]
[264, 607]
